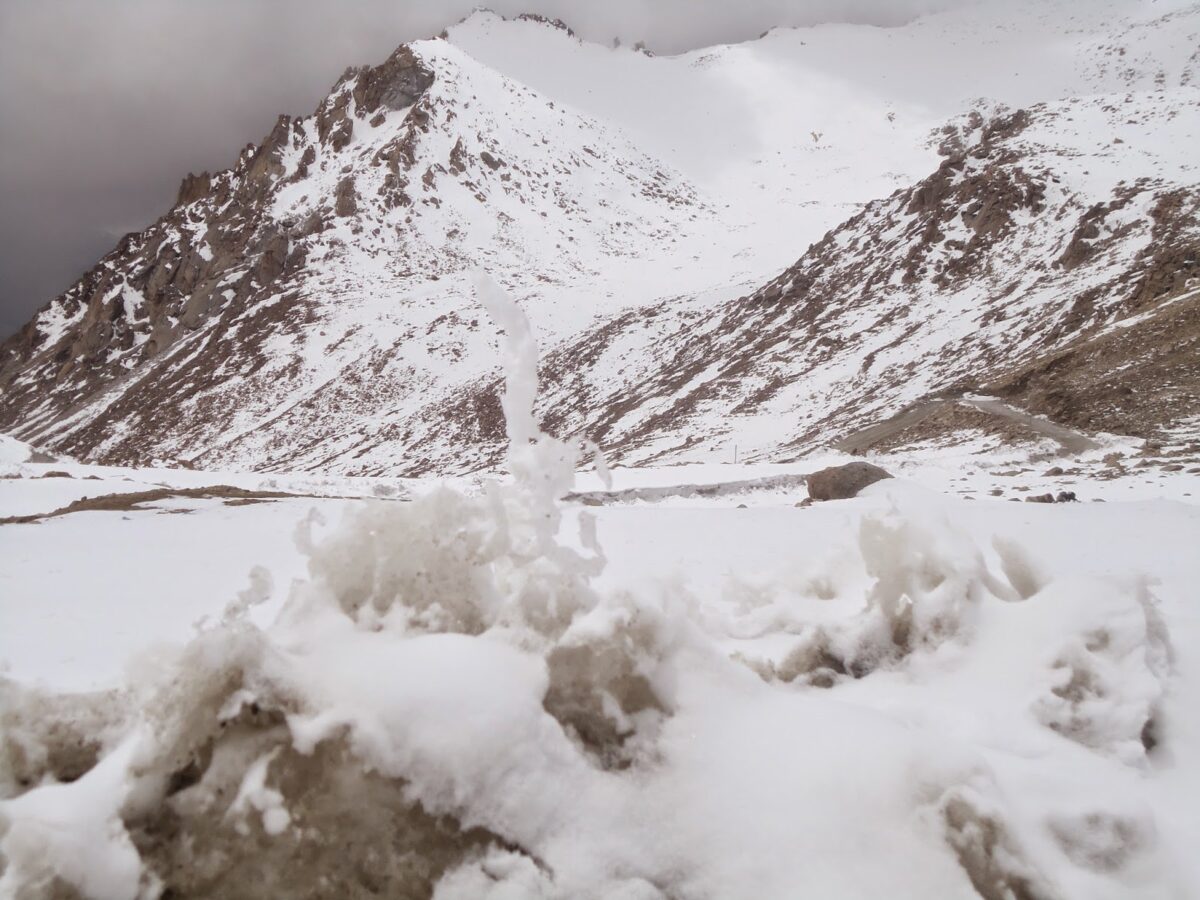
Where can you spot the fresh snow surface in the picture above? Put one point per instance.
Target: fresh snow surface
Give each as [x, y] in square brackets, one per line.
[13, 451]
[909, 694]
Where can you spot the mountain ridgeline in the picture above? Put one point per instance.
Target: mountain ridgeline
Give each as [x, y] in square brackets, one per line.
[1031, 235]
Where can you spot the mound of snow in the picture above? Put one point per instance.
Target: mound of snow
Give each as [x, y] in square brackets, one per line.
[13, 451]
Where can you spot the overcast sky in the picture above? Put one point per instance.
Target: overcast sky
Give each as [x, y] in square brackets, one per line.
[106, 104]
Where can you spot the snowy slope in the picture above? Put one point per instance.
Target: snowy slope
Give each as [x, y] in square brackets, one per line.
[307, 309]
[1028, 243]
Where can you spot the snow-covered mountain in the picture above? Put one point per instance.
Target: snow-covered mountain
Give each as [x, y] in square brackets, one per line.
[1027, 266]
[372, 632]
[994, 200]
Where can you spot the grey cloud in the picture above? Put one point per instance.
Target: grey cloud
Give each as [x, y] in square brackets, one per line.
[105, 104]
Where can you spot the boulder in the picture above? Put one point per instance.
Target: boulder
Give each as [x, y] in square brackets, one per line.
[843, 482]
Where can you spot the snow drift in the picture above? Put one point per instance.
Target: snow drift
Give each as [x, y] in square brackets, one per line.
[449, 706]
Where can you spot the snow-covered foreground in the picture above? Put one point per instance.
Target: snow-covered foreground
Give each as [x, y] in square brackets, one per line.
[477, 690]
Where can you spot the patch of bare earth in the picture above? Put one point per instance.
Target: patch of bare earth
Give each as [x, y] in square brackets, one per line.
[1134, 380]
[137, 500]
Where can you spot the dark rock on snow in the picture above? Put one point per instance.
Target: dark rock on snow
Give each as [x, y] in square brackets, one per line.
[843, 482]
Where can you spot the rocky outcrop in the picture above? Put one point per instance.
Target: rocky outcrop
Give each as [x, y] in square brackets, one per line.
[345, 200]
[394, 85]
[192, 188]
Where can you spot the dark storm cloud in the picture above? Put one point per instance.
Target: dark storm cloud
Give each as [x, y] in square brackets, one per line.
[105, 104]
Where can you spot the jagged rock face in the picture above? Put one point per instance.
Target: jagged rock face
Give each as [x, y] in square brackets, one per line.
[311, 308]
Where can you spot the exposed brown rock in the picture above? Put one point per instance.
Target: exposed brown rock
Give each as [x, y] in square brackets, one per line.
[844, 482]
[346, 199]
[395, 84]
[192, 188]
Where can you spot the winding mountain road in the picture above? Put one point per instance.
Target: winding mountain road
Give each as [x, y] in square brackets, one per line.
[859, 441]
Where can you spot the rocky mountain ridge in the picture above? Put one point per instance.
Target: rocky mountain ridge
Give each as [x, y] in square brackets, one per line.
[310, 308]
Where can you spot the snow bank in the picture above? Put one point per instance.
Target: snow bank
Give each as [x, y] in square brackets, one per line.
[13, 451]
[449, 706]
